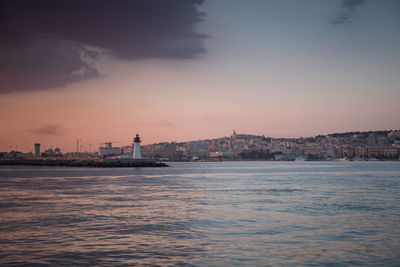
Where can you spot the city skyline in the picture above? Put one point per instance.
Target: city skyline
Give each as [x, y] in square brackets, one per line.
[359, 146]
[82, 147]
[193, 70]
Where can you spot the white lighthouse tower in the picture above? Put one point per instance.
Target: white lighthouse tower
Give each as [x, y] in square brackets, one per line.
[136, 151]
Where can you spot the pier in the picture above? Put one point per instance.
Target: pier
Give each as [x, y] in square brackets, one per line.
[89, 162]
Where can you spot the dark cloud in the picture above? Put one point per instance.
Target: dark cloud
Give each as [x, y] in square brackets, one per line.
[347, 11]
[48, 129]
[44, 64]
[47, 43]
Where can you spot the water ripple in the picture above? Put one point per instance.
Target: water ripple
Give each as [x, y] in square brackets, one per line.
[202, 214]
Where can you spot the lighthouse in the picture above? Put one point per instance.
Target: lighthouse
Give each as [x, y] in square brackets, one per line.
[136, 151]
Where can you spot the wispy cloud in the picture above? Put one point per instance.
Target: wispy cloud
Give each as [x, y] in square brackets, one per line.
[48, 129]
[159, 123]
[347, 11]
[210, 117]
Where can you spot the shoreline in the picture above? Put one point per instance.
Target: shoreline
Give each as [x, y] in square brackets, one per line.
[272, 160]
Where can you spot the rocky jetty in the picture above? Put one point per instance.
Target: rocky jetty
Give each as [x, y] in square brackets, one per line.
[64, 162]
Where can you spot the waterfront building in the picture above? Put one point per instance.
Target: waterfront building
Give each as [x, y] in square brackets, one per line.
[109, 150]
[390, 152]
[360, 152]
[52, 153]
[37, 150]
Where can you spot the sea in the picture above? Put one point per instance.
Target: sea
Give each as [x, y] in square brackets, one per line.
[202, 214]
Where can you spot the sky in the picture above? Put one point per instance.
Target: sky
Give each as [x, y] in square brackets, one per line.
[180, 70]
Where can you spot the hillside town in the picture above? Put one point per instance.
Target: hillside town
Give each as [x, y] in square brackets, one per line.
[373, 145]
[351, 146]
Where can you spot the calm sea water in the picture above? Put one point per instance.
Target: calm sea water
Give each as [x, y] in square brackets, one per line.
[202, 214]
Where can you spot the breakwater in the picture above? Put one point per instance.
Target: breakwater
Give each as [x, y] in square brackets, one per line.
[73, 162]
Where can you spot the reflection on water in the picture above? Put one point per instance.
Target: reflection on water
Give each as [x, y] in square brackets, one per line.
[229, 213]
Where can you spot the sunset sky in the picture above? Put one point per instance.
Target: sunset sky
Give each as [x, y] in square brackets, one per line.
[174, 70]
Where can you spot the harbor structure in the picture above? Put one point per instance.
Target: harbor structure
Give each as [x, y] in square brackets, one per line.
[108, 150]
[37, 150]
[136, 151]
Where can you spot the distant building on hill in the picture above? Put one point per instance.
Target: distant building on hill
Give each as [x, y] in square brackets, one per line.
[198, 145]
